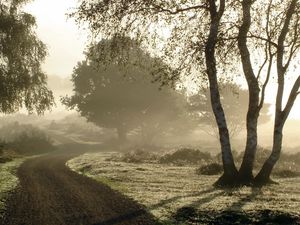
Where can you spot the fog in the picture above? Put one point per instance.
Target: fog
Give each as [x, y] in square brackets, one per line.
[70, 124]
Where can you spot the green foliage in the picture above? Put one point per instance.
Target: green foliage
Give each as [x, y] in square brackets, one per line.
[185, 156]
[25, 139]
[22, 82]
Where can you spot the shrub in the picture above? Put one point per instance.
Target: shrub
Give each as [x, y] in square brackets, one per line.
[210, 169]
[137, 156]
[285, 173]
[186, 155]
[5, 159]
[25, 139]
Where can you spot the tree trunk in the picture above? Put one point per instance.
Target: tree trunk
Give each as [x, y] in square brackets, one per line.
[263, 177]
[245, 172]
[230, 171]
[246, 169]
[281, 115]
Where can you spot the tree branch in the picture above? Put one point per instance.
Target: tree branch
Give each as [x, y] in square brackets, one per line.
[263, 39]
[283, 34]
[292, 97]
[179, 10]
[281, 69]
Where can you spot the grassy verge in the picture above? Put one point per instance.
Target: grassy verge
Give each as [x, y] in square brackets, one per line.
[168, 190]
[8, 180]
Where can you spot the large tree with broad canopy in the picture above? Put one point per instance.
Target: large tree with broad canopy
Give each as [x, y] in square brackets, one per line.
[117, 91]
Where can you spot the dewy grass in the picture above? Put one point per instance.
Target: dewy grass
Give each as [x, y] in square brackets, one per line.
[8, 180]
[164, 189]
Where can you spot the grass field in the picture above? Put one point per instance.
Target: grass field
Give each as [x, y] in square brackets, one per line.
[8, 180]
[167, 189]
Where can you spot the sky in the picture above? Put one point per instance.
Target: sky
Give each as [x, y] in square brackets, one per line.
[66, 42]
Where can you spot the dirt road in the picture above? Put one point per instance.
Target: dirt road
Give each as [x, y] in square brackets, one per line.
[50, 194]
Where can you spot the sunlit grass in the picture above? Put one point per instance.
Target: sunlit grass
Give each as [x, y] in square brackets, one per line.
[164, 188]
[8, 180]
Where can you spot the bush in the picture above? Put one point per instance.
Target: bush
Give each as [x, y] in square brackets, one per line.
[28, 144]
[186, 155]
[25, 139]
[5, 159]
[285, 173]
[210, 169]
[137, 156]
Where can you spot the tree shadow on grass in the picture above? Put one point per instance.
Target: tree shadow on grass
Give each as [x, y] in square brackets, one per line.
[131, 216]
[173, 199]
[233, 214]
[140, 216]
[238, 205]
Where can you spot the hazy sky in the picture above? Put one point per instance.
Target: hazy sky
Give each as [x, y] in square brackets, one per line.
[66, 42]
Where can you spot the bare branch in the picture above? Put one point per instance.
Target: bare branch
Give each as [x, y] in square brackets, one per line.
[263, 39]
[263, 91]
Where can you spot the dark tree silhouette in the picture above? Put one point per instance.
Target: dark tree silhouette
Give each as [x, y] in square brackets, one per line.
[120, 94]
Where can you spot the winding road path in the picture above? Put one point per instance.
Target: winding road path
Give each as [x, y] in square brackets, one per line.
[51, 194]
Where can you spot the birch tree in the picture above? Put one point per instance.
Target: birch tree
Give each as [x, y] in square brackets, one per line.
[213, 39]
[283, 33]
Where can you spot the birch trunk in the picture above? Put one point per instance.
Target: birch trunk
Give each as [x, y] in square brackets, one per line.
[263, 176]
[230, 171]
[281, 114]
[245, 172]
